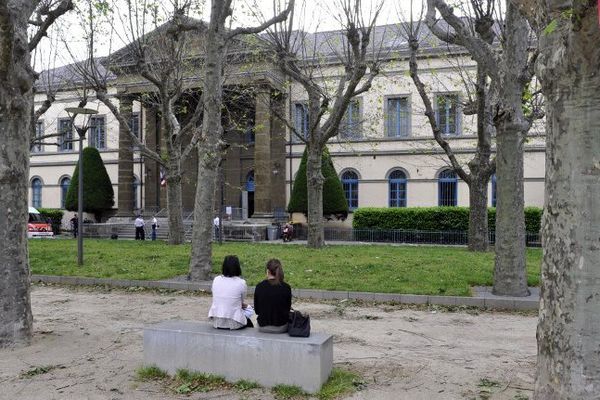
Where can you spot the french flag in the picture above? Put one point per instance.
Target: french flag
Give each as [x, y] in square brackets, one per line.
[163, 177]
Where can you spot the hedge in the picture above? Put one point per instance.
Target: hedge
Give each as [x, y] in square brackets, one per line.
[334, 199]
[55, 216]
[432, 218]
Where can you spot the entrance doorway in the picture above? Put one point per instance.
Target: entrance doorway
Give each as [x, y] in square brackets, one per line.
[250, 190]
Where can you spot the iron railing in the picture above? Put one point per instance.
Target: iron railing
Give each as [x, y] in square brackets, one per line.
[460, 238]
[250, 232]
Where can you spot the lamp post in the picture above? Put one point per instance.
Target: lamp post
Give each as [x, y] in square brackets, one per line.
[81, 131]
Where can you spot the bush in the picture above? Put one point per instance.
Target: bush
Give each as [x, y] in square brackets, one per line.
[334, 200]
[432, 218]
[98, 193]
[55, 216]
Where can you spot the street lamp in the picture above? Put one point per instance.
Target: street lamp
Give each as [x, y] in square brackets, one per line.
[87, 113]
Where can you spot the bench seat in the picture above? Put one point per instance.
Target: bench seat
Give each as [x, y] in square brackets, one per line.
[268, 359]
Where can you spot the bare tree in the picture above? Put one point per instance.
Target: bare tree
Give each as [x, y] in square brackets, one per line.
[482, 166]
[303, 62]
[510, 73]
[568, 331]
[16, 104]
[210, 149]
[162, 58]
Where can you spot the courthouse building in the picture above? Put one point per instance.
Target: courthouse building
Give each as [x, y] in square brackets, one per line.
[384, 153]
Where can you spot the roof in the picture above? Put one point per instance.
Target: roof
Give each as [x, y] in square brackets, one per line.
[69, 76]
[387, 39]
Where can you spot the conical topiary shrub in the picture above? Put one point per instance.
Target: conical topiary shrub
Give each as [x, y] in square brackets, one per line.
[98, 193]
[334, 200]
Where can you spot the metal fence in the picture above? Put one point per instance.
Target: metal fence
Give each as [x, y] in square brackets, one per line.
[404, 236]
[250, 232]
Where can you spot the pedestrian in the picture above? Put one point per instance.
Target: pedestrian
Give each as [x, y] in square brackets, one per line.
[74, 225]
[216, 224]
[154, 227]
[139, 228]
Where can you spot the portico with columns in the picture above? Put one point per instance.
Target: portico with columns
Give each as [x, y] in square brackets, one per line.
[254, 161]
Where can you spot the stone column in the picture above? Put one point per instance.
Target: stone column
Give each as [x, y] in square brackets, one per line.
[262, 154]
[125, 191]
[278, 152]
[152, 168]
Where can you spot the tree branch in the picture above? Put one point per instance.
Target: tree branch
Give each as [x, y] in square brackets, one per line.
[51, 15]
[429, 112]
[101, 95]
[282, 16]
[478, 48]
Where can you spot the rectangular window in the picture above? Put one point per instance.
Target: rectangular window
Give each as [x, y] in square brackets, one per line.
[97, 132]
[134, 124]
[300, 120]
[397, 193]
[350, 126]
[446, 114]
[65, 135]
[39, 132]
[398, 117]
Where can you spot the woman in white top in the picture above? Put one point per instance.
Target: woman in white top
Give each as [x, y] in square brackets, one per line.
[228, 291]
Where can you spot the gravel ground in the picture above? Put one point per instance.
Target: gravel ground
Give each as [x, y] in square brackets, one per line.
[91, 340]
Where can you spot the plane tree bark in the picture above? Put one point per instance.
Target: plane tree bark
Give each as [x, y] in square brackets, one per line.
[510, 72]
[16, 105]
[568, 332]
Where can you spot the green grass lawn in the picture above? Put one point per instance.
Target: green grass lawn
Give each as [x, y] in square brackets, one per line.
[387, 269]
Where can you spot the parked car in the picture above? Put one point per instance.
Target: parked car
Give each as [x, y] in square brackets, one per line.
[38, 227]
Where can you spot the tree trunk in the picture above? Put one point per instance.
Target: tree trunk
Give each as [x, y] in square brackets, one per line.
[568, 332]
[16, 102]
[510, 275]
[201, 260]
[174, 202]
[15, 308]
[209, 154]
[315, 180]
[478, 212]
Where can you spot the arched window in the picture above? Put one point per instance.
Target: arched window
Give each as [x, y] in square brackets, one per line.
[136, 186]
[36, 192]
[397, 182]
[447, 188]
[350, 184]
[250, 181]
[494, 190]
[64, 189]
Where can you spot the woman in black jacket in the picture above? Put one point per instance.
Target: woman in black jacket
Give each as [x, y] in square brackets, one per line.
[273, 300]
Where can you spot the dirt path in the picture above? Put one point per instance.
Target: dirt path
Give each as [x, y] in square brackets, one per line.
[92, 341]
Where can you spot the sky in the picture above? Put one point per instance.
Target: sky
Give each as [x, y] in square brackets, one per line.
[66, 42]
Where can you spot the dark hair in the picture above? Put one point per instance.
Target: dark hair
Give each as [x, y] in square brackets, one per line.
[231, 266]
[275, 268]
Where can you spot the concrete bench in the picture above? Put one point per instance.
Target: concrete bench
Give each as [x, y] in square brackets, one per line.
[268, 359]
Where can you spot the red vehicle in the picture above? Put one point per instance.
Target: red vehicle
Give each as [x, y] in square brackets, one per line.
[38, 227]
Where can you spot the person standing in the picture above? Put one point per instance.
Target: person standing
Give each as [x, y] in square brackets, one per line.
[139, 228]
[74, 225]
[216, 223]
[154, 227]
[273, 300]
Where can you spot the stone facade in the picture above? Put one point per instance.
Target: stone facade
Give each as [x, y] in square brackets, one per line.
[262, 158]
